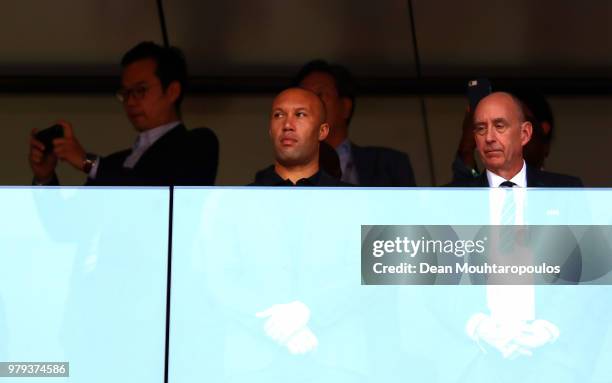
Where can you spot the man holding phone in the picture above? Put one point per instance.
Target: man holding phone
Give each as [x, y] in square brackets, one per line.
[165, 153]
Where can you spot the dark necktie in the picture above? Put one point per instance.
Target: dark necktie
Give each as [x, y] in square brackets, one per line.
[508, 215]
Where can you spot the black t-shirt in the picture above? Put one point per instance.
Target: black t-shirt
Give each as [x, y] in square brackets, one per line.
[269, 177]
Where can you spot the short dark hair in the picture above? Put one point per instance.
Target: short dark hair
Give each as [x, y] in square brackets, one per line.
[345, 83]
[539, 107]
[171, 64]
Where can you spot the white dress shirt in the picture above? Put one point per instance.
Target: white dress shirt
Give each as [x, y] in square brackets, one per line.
[347, 164]
[509, 302]
[520, 179]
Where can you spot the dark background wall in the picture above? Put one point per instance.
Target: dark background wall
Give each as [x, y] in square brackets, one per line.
[59, 60]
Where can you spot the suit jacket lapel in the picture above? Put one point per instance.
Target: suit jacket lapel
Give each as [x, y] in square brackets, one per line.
[358, 162]
[533, 177]
[160, 146]
[482, 180]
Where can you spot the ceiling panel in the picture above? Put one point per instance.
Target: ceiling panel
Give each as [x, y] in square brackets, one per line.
[72, 37]
[518, 38]
[274, 38]
[544, 38]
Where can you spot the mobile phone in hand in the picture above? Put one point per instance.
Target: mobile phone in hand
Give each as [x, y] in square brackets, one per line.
[46, 136]
[477, 90]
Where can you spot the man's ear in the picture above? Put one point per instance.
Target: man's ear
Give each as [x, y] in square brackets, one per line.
[323, 131]
[347, 107]
[174, 91]
[526, 132]
[546, 127]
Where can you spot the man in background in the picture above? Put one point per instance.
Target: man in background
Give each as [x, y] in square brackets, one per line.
[364, 166]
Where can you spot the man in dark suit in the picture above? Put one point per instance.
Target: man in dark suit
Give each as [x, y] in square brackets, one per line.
[365, 166]
[517, 321]
[165, 153]
[535, 178]
[501, 131]
[537, 110]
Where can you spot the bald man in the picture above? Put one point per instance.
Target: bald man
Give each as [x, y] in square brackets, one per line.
[297, 128]
[501, 131]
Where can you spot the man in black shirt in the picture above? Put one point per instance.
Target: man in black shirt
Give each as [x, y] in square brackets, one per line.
[297, 127]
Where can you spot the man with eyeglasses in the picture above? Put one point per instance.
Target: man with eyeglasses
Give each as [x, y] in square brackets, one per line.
[501, 131]
[165, 153]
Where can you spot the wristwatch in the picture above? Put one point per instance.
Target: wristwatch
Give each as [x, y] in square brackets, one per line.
[89, 162]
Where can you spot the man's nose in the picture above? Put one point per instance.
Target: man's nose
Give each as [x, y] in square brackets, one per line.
[490, 134]
[130, 99]
[288, 124]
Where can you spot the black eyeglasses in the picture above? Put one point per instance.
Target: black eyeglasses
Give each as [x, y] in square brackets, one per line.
[138, 92]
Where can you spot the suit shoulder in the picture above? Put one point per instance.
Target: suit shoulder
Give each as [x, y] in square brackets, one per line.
[383, 156]
[203, 141]
[203, 133]
[327, 180]
[559, 180]
[380, 151]
[381, 166]
[466, 183]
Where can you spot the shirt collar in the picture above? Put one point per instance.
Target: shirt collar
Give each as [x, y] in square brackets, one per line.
[149, 136]
[520, 179]
[344, 149]
[345, 156]
[271, 178]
